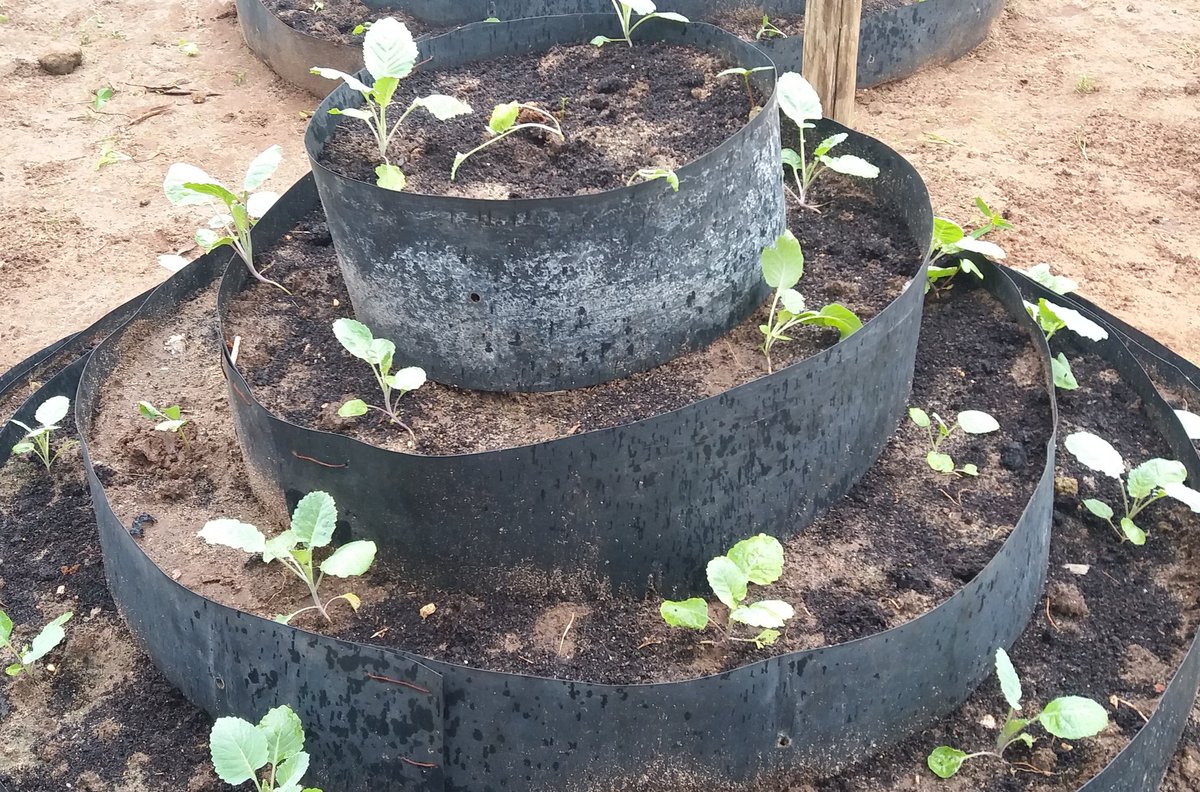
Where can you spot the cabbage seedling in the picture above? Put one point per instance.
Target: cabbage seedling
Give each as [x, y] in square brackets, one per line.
[783, 266]
[1068, 718]
[37, 439]
[390, 55]
[358, 340]
[312, 527]
[767, 30]
[745, 75]
[1052, 317]
[504, 123]
[626, 9]
[50, 636]
[1150, 481]
[799, 101]
[187, 185]
[168, 419]
[758, 560]
[650, 174]
[972, 422]
[274, 748]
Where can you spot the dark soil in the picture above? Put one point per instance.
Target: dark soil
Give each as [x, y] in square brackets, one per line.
[855, 254]
[621, 108]
[335, 20]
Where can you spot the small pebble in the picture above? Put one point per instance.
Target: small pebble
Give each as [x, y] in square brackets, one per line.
[1067, 600]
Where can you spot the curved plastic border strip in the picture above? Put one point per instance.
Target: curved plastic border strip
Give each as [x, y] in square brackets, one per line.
[644, 504]
[893, 43]
[505, 731]
[546, 294]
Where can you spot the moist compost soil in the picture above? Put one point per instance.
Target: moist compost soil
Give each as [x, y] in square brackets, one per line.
[621, 109]
[855, 253]
[335, 20]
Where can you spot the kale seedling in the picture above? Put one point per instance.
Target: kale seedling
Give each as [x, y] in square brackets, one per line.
[799, 101]
[312, 527]
[1068, 718]
[358, 340]
[767, 30]
[50, 636]
[37, 440]
[758, 560]
[643, 8]
[1150, 481]
[745, 75]
[390, 55]
[187, 185]
[783, 267]
[240, 751]
[650, 174]
[970, 421]
[504, 122]
[168, 419]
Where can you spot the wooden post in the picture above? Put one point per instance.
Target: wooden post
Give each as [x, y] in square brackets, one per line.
[831, 54]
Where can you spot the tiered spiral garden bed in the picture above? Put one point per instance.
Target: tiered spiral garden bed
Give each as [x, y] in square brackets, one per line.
[558, 479]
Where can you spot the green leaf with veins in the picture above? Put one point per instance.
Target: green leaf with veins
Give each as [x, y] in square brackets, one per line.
[314, 519]
[238, 750]
[940, 462]
[690, 613]
[1152, 474]
[727, 580]
[284, 733]
[1010, 683]
[1098, 508]
[1073, 718]
[945, 761]
[1132, 532]
[760, 558]
[504, 116]
[783, 262]
[1064, 378]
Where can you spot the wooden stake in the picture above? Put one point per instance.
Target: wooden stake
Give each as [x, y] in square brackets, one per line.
[831, 54]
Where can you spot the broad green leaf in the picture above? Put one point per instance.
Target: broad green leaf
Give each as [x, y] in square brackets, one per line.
[1058, 284]
[1078, 323]
[641, 7]
[238, 750]
[977, 422]
[919, 417]
[1185, 495]
[1191, 423]
[503, 117]
[174, 412]
[829, 143]
[260, 203]
[671, 15]
[181, 174]
[946, 233]
[22, 448]
[355, 336]
[408, 379]
[14, 670]
[50, 636]
[284, 733]
[766, 613]
[1010, 683]
[968, 266]
[261, 168]
[1132, 532]
[852, 166]
[766, 638]
[982, 247]
[382, 92]
[314, 519]
[101, 97]
[389, 49]
[1064, 378]
[443, 107]
[1073, 718]
[968, 470]
[1046, 317]
[792, 300]
[937, 273]
[797, 98]
[53, 410]
[353, 408]
[390, 177]
[207, 239]
[690, 613]
[791, 159]
[1098, 508]
[1096, 453]
[760, 557]
[279, 546]
[350, 560]
[940, 462]
[219, 222]
[727, 580]
[361, 115]
[289, 773]
[783, 262]
[334, 74]
[6, 628]
[1144, 479]
[381, 351]
[944, 761]
[837, 316]
[216, 191]
[169, 426]
[235, 534]
[600, 41]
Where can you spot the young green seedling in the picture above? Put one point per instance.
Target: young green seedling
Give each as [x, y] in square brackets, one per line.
[626, 9]
[1068, 718]
[1150, 481]
[390, 55]
[168, 419]
[312, 527]
[271, 754]
[745, 75]
[783, 267]
[651, 174]
[358, 340]
[37, 439]
[799, 101]
[1052, 317]
[187, 185]
[1059, 284]
[504, 123]
[758, 560]
[972, 422]
[50, 636]
[767, 30]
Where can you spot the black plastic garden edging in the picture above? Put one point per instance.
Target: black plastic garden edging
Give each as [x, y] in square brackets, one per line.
[642, 505]
[894, 42]
[506, 731]
[556, 293]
